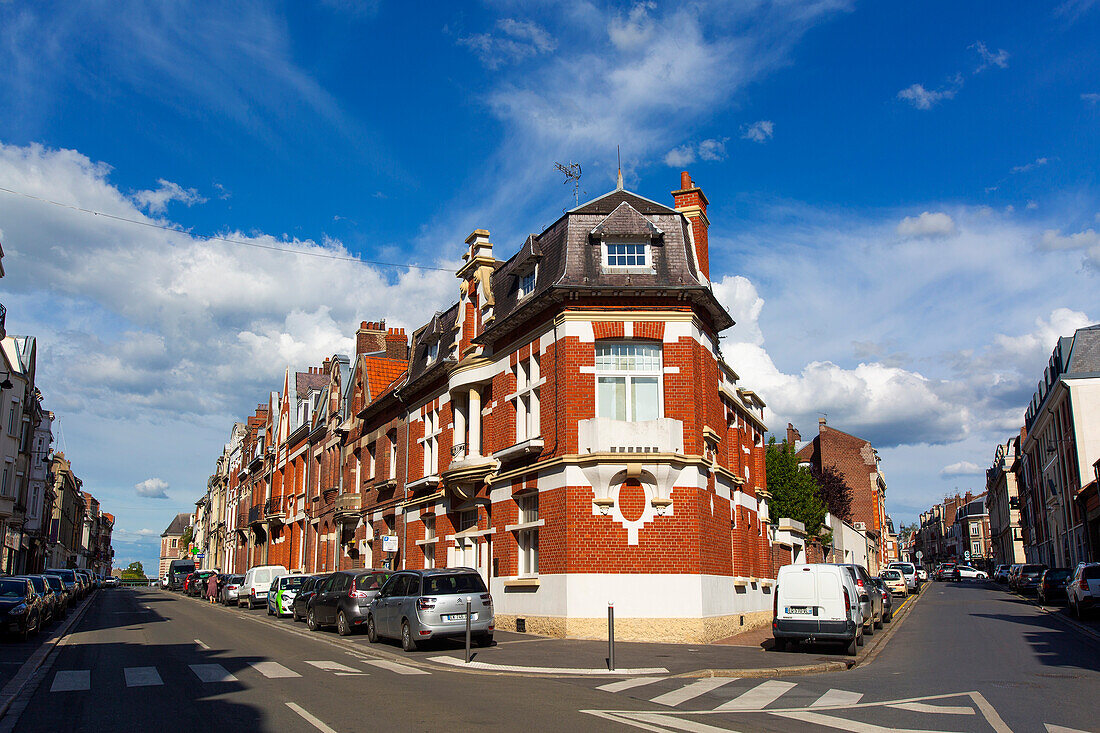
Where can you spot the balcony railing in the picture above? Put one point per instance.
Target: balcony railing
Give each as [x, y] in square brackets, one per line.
[255, 514]
[348, 506]
[273, 509]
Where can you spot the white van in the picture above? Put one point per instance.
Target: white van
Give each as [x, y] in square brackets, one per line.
[909, 572]
[817, 602]
[253, 591]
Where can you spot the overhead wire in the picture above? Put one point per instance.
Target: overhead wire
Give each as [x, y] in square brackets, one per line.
[219, 238]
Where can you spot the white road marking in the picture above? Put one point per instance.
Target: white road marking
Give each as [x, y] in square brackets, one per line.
[330, 666]
[74, 681]
[688, 692]
[834, 698]
[1052, 728]
[212, 673]
[273, 670]
[310, 718]
[627, 684]
[395, 666]
[142, 677]
[548, 670]
[661, 722]
[854, 726]
[923, 707]
[201, 643]
[758, 697]
[350, 674]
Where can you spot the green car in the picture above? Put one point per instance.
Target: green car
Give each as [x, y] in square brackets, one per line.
[280, 597]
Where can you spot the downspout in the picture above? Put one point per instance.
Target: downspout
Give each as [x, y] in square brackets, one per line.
[405, 482]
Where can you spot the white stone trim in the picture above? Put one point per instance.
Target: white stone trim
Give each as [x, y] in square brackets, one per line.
[525, 525]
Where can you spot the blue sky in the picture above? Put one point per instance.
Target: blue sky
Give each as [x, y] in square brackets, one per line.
[904, 200]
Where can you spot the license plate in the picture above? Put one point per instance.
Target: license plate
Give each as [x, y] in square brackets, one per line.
[455, 617]
[799, 611]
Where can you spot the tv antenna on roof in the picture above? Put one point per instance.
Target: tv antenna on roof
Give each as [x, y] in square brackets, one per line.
[572, 173]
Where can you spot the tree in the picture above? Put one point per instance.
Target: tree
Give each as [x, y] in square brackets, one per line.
[185, 538]
[835, 492]
[134, 571]
[794, 492]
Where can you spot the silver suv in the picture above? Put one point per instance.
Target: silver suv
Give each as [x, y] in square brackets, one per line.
[418, 605]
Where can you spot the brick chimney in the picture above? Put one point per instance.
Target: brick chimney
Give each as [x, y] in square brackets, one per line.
[793, 436]
[370, 338]
[397, 344]
[692, 203]
[324, 366]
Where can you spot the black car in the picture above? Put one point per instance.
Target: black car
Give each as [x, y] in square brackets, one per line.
[1052, 585]
[68, 577]
[343, 599]
[887, 599]
[21, 608]
[1027, 582]
[52, 603]
[58, 587]
[300, 607]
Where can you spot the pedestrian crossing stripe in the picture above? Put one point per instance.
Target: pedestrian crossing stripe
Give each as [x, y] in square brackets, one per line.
[212, 673]
[72, 681]
[142, 677]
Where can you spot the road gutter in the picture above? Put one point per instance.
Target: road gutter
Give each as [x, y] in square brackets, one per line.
[27, 671]
[1072, 623]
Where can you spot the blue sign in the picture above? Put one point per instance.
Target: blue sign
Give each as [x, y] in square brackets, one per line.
[200, 556]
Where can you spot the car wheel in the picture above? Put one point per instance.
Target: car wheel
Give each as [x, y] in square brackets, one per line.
[1076, 610]
[343, 628]
[780, 645]
[878, 624]
[851, 649]
[270, 611]
[870, 630]
[484, 640]
[859, 639]
[372, 633]
[888, 618]
[311, 620]
[294, 615]
[408, 643]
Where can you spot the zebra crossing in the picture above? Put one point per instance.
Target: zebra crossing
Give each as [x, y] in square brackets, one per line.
[210, 673]
[728, 693]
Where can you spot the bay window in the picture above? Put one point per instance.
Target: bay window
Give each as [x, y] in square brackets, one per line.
[628, 381]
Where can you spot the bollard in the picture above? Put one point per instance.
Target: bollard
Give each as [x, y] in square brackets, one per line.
[611, 635]
[468, 599]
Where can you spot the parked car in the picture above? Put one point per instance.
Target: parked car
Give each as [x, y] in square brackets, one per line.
[68, 577]
[872, 609]
[948, 572]
[58, 587]
[1052, 585]
[198, 583]
[344, 599]
[178, 570]
[816, 602]
[887, 599]
[965, 571]
[111, 582]
[280, 596]
[894, 582]
[922, 574]
[909, 572]
[227, 590]
[21, 608]
[300, 607]
[1013, 574]
[416, 606]
[52, 603]
[1027, 582]
[1000, 574]
[257, 580]
[1083, 589]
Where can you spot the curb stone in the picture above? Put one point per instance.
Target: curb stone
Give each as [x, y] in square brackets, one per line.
[1070, 622]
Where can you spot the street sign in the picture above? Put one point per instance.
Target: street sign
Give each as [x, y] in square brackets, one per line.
[920, 555]
[199, 556]
[389, 543]
[966, 555]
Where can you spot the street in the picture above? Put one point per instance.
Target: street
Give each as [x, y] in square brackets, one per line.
[969, 657]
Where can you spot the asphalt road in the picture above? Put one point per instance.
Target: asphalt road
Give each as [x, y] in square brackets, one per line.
[970, 657]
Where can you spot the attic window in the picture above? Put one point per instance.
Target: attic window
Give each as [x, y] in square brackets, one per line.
[433, 351]
[527, 282]
[627, 256]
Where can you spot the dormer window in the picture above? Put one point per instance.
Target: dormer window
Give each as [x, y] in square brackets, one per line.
[527, 283]
[632, 255]
[433, 351]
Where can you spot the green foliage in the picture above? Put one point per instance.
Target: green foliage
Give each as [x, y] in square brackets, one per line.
[134, 571]
[188, 534]
[794, 492]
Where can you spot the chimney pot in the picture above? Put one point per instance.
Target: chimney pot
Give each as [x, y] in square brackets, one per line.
[821, 422]
[685, 180]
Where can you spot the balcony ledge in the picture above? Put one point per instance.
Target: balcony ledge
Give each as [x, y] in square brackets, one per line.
[519, 450]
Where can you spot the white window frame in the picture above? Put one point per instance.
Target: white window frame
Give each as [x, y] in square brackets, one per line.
[393, 455]
[606, 255]
[433, 351]
[430, 441]
[429, 547]
[372, 465]
[529, 380]
[629, 374]
[527, 539]
[527, 281]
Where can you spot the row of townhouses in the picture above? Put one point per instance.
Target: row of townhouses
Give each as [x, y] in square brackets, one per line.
[1044, 484]
[46, 519]
[568, 427]
[957, 529]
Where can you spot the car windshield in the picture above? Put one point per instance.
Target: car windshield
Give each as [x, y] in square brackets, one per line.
[10, 588]
[1060, 574]
[66, 575]
[294, 581]
[55, 582]
[891, 575]
[38, 583]
[1092, 572]
[441, 585]
[1033, 569]
[370, 581]
[904, 567]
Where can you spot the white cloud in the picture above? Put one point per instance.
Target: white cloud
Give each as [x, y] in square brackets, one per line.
[1037, 163]
[928, 224]
[515, 41]
[989, 58]
[962, 468]
[922, 98]
[152, 488]
[1088, 240]
[156, 200]
[680, 156]
[713, 149]
[1091, 97]
[759, 132]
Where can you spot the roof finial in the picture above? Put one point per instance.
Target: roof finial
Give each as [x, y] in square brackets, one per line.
[618, 158]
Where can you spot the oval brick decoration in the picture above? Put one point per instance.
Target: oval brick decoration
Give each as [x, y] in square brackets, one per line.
[631, 500]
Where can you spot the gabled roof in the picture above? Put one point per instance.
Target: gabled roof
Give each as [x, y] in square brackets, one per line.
[381, 373]
[610, 201]
[180, 523]
[625, 220]
[305, 382]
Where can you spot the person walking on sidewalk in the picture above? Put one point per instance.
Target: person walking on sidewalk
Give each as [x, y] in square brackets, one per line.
[212, 588]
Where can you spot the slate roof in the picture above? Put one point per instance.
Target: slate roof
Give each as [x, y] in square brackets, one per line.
[304, 382]
[180, 523]
[1084, 358]
[610, 201]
